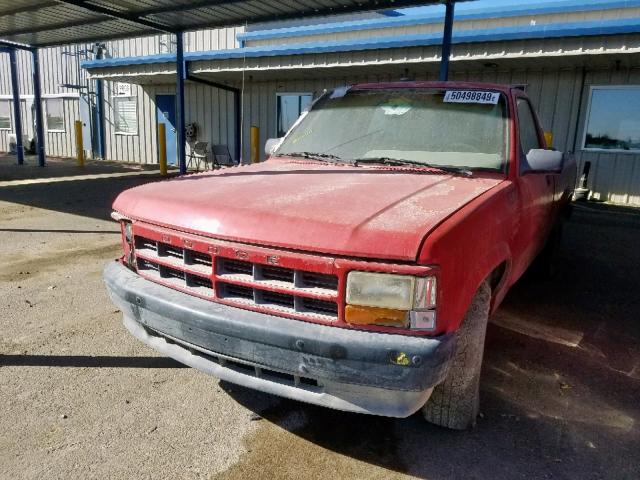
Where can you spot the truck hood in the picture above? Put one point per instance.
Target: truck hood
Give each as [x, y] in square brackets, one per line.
[367, 212]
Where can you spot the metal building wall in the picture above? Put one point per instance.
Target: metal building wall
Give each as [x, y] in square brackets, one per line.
[56, 68]
[210, 108]
[614, 177]
[215, 123]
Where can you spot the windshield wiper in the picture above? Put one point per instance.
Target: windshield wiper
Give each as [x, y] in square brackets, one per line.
[311, 155]
[399, 162]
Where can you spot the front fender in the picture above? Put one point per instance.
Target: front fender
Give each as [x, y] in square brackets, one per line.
[467, 247]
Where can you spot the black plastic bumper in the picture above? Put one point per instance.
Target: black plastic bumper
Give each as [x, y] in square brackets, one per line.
[329, 355]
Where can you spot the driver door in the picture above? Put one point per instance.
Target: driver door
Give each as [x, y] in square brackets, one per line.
[535, 190]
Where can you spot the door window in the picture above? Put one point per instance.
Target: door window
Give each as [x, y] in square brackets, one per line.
[5, 114]
[527, 127]
[54, 114]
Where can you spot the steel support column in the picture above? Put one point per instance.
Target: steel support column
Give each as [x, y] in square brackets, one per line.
[181, 75]
[100, 119]
[37, 99]
[237, 112]
[446, 41]
[17, 118]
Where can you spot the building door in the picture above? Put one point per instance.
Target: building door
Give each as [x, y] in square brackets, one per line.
[85, 118]
[166, 113]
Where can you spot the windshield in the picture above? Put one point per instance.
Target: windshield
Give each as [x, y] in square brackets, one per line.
[415, 125]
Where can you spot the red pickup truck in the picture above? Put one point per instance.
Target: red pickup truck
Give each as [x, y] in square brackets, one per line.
[356, 268]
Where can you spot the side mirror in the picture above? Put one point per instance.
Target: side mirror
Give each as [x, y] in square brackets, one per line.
[270, 145]
[540, 160]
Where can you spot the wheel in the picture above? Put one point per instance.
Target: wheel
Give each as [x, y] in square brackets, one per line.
[455, 402]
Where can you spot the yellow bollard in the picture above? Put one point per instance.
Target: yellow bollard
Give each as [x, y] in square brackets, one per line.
[548, 138]
[79, 144]
[255, 144]
[162, 148]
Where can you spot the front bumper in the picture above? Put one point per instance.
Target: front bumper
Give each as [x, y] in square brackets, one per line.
[339, 368]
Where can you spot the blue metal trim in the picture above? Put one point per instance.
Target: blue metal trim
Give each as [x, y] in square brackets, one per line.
[464, 11]
[180, 123]
[114, 62]
[17, 117]
[522, 32]
[37, 99]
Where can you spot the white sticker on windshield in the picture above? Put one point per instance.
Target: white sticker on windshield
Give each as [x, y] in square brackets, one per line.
[471, 96]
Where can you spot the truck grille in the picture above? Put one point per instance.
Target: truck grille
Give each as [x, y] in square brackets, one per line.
[213, 274]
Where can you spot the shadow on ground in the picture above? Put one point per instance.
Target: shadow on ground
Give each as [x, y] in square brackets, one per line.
[93, 361]
[91, 197]
[560, 387]
[62, 167]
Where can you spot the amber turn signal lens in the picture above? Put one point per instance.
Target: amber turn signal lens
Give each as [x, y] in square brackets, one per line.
[388, 317]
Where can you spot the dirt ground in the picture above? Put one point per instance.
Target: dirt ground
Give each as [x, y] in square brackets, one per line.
[81, 399]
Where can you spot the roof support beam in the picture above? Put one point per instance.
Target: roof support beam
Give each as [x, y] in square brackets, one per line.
[211, 83]
[19, 46]
[17, 118]
[129, 17]
[180, 78]
[37, 100]
[446, 41]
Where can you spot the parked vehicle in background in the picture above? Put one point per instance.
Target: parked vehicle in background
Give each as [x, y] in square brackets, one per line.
[357, 267]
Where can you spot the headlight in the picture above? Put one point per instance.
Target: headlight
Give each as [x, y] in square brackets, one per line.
[391, 300]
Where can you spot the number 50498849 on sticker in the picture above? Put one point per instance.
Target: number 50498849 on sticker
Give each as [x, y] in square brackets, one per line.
[471, 96]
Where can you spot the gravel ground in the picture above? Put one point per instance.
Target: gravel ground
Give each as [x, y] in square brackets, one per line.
[82, 399]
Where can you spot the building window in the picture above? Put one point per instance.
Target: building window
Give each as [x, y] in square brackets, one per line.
[5, 114]
[613, 119]
[125, 110]
[289, 107]
[54, 108]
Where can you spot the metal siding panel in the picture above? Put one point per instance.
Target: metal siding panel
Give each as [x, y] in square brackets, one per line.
[546, 104]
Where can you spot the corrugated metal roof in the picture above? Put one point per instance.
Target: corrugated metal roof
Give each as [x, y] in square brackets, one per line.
[52, 22]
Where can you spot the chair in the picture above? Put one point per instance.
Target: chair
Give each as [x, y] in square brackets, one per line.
[199, 153]
[222, 156]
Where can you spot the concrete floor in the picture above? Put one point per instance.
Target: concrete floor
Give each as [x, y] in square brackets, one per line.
[81, 399]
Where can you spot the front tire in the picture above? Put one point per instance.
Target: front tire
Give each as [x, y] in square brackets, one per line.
[455, 402]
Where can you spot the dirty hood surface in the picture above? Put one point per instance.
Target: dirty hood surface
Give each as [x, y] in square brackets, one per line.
[368, 212]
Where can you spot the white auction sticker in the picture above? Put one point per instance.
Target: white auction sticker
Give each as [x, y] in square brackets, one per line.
[471, 96]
